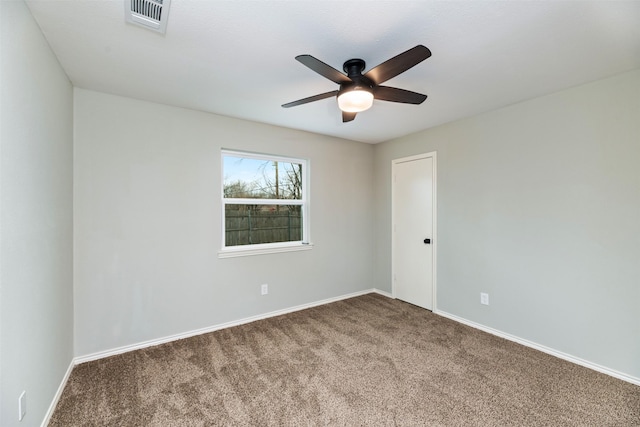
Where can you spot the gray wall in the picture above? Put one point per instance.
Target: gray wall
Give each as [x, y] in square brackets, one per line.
[538, 205]
[147, 222]
[36, 149]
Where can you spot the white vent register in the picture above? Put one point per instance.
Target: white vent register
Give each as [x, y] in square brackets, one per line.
[151, 14]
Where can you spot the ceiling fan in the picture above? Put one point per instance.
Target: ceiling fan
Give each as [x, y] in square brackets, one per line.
[357, 91]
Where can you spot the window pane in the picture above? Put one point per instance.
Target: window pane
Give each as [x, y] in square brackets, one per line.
[255, 224]
[261, 179]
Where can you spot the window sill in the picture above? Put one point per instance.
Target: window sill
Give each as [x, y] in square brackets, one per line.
[262, 250]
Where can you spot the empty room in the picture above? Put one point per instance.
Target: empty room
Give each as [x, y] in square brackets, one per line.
[319, 213]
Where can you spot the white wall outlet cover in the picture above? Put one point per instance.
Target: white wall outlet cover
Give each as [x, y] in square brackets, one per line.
[484, 298]
[22, 405]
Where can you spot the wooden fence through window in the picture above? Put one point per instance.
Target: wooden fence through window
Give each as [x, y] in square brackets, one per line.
[252, 225]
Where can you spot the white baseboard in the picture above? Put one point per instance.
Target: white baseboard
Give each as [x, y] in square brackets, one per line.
[56, 398]
[383, 293]
[542, 348]
[124, 349]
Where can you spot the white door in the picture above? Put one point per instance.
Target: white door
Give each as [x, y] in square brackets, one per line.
[413, 250]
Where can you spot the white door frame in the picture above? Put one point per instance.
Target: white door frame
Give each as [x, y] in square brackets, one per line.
[434, 237]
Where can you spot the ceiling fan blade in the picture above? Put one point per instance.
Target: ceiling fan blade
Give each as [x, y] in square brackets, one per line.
[347, 117]
[393, 94]
[398, 64]
[323, 69]
[311, 99]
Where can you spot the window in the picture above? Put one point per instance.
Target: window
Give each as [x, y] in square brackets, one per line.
[264, 204]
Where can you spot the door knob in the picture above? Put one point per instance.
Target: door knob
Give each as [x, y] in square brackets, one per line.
[427, 241]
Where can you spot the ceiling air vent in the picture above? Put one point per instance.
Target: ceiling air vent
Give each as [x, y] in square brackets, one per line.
[151, 14]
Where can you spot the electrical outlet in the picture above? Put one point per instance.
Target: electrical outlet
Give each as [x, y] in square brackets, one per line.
[22, 405]
[264, 289]
[484, 298]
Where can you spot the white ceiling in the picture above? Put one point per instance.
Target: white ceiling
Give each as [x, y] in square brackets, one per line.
[236, 58]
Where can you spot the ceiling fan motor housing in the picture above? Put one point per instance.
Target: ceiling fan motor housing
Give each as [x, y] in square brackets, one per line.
[354, 68]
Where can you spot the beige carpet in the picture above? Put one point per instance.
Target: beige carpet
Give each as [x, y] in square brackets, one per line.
[368, 360]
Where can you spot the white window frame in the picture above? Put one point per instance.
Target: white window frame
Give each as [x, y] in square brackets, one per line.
[266, 248]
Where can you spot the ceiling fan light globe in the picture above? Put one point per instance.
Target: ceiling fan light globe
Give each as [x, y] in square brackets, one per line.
[355, 101]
